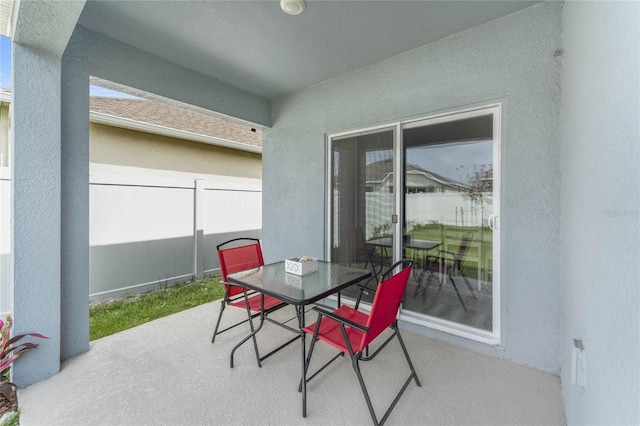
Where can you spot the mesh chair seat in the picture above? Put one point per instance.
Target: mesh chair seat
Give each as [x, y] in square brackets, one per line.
[254, 303]
[330, 331]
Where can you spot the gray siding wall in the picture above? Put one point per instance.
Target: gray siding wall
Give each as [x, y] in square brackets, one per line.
[511, 60]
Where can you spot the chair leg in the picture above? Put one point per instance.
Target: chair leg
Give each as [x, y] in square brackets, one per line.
[355, 358]
[406, 355]
[252, 336]
[356, 368]
[457, 292]
[466, 281]
[422, 288]
[215, 331]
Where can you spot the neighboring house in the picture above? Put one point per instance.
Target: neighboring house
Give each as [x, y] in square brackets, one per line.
[418, 180]
[145, 159]
[144, 138]
[159, 137]
[5, 101]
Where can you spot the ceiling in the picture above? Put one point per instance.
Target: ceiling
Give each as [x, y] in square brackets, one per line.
[255, 46]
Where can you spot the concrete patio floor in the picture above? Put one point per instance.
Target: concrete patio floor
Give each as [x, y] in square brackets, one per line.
[167, 372]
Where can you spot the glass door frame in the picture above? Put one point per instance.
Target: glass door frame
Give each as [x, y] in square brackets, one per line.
[495, 109]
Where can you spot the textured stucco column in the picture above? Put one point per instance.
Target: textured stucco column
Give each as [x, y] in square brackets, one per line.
[35, 118]
[75, 265]
[601, 211]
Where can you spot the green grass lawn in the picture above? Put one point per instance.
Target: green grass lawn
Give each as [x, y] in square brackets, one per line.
[118, 315]
[479, 253]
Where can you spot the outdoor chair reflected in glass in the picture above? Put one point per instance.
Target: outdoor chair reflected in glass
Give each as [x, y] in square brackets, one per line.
[352, 331]
[238, 255]
[449, 263]
[365, 254]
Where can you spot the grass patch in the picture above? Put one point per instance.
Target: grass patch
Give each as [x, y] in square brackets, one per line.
[118, 315]
[13, 420]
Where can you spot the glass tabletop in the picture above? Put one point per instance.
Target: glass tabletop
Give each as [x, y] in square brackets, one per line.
[299, 290]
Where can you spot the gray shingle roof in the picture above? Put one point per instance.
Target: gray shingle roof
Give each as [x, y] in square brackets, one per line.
[172, 117]
[175, 118]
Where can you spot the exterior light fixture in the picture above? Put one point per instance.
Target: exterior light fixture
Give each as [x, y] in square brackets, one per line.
[292, 7]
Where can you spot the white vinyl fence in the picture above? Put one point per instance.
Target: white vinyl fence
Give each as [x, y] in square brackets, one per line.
[454, 209]
[150, 232]
[5, 242]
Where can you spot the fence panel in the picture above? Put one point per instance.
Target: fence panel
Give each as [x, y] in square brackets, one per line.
[141, 235]
[149, 232]
[6, 288]
[230, 213]
[453, 209]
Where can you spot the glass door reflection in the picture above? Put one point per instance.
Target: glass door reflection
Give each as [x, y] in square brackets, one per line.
[362, 191]
[448, 198]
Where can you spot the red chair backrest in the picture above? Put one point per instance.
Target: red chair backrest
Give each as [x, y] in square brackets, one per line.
[238, 259]
[386, 304]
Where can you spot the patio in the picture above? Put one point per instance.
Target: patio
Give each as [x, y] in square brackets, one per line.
[168, 372]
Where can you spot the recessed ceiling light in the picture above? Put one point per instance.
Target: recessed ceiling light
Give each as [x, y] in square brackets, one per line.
[292, 7]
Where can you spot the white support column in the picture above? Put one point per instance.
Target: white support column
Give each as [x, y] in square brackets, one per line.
[35, 116]
[198, 231]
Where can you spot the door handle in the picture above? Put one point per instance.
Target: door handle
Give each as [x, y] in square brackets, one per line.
[492, 222]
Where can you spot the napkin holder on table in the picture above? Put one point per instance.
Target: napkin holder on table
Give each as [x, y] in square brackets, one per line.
[302, 265]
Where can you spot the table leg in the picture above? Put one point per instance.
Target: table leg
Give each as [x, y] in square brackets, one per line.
[304, 361]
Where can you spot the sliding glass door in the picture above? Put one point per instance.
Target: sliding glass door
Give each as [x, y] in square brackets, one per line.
[449, 198]
[444, 215]
[362, 197]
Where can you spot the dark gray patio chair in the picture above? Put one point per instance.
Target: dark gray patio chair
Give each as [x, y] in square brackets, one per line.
[452, 265]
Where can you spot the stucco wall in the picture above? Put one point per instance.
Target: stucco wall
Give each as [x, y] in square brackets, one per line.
[36, 210]
[114, 61]
[511, 60]
[113, 145]
[601, 210]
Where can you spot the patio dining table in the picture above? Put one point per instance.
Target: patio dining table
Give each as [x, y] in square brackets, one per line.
[299, 291]
[415, 244]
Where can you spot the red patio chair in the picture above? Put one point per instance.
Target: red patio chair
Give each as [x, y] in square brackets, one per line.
[352, 331]
[243, 254]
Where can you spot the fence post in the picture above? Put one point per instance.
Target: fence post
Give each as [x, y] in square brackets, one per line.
[198, 228]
